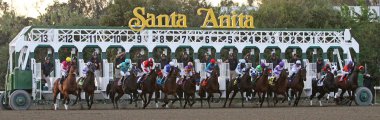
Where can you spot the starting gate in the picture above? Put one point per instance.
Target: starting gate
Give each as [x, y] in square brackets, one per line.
[22, 46]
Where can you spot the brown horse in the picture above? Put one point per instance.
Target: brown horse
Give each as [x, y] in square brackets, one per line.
[262, 86]
[350, 85]
[170, 86]
[148, 87]
[188, 89]
[211, 87]
[69, 86]
[129, 86]
[280, 86]
[245, 86]
[329, 85]
[296, 85]
[88, 86]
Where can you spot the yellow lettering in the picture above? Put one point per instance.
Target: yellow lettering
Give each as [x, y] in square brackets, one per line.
[181, 22]
[151, 21]
[224, 19]
[139, 21]
[162, 23]
[249, 22]
[210, 17]
[241, 21]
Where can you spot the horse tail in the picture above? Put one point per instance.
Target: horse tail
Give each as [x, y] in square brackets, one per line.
[108, 89]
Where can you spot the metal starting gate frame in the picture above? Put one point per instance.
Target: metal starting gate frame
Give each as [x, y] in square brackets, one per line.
[21, 48]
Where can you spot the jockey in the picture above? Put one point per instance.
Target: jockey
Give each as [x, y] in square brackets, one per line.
[125, 67]
[146, 66]
[295, 68]
[84, 72]
[65, 66]
[86, 69]
[325, 70]
[347, 69]
[240, 69]
[167, 69]
[210, 66]
[259, 69]
[278, 69]
[189, 71]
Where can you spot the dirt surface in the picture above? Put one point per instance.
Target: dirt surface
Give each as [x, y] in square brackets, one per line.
[251, 111]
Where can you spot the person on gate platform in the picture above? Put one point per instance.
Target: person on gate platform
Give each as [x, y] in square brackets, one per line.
[47, 68]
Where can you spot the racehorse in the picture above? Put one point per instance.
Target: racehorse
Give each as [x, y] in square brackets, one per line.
[88, 86]
[280, 86]
[245, 86]
[296, 85]
[328, 86]
[210, 86]
[69, 86]
[188, 89]
[170, 86]
[128, 86]
[262, 86]
[350, 85]
[148, 87]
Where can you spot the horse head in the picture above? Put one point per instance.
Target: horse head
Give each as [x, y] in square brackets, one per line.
[215, 72]
[175, 72]
[284, 73]
[73, 69]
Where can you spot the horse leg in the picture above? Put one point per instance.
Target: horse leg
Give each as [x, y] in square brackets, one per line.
[208, 99]
[91, 100]
[186, 100]
[321, 94]
[156, 96]
[119, 95]
[135, 97]
[232, 97]
[312, 96]
[227, 96]
[66, 100]
[193, 99]
[298, 98]
[351, 95]
[262, 94]
[112, 97]
[87, 100]
[242, 98]
[201, 101]
[275, 101]
[268, 94]
[55, 93]
[166, 101]
[149, 98]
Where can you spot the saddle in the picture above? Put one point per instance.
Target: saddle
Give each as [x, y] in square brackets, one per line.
[160, 82]
[271, 81]
[81, 80]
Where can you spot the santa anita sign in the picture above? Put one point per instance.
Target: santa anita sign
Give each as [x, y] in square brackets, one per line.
[143, 20]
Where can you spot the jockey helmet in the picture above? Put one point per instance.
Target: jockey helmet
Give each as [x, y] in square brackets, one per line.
[151, 60]
[171, 63]
[361, 67]
[68, 59]
[127, 61]
[88, 63]
[262, 65]
[212, 61]
[298, 62]
[47, 58]
[281, 64]
[190, 63]
[350, 63]
[242, 61]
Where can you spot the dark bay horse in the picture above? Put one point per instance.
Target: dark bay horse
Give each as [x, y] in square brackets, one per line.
[211, 87]
[328, 86]
[296, 85]
[245, 86]
[170, 86]
[280, 86]
[188, 89]
[262, 86]
[350, 85]
[148, 87]
[69, 86]
[128, 86]
[88, 86]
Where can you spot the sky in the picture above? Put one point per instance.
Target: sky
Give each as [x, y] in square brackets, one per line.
[33, 8]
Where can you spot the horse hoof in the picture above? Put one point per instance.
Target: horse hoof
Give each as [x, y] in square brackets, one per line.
[66, 107]
[55, 106]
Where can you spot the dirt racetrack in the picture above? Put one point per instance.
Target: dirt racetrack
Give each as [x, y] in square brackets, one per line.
[330, 112]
